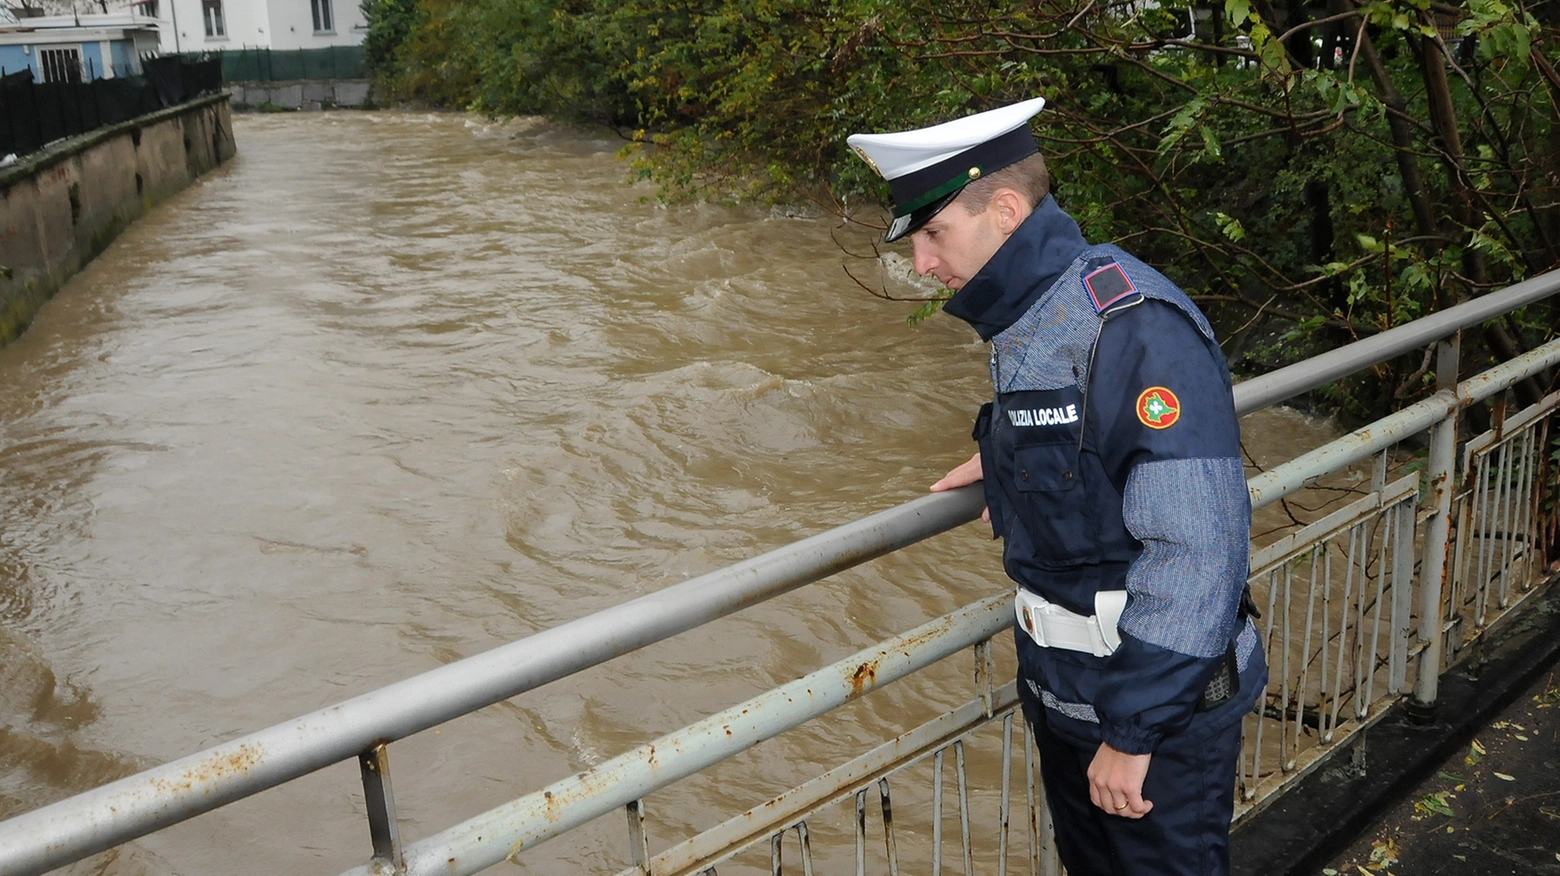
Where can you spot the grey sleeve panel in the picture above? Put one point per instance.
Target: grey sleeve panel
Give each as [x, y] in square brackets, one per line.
[1193, 517]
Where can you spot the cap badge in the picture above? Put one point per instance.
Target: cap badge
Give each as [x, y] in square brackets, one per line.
[1158, 408]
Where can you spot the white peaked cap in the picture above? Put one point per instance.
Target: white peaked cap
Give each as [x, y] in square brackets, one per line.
[926, 168]
[894, 155]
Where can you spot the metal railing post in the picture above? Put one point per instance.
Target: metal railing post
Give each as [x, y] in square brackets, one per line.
[375, 766]
[1432, 570]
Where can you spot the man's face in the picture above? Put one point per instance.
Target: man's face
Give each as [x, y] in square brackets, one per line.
[954, 245]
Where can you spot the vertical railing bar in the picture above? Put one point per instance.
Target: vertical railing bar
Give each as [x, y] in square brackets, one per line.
[1285, 641]
[775, 866]
[888, 828]
[1520, 522]
[1387, 520]
[964, 806]
[985, 675]
[1505, 522]
[1005, 809]
[1031, 799]
[1362, 667]
[1541, 442]
[1327, 695]
[805, 841]
[1482, 582]
[1540, 437]
[1524, 522]
[937, 812]
[1304, 673]
[861, 832]
[1267, 642]
[1350, 559]
[638, 840]
[1402, 594]
[379, 800]
[1462, 583]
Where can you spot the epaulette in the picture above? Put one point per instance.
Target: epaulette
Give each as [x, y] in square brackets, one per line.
[1109, 287]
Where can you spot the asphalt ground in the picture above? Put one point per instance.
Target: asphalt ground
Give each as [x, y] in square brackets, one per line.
[1472, 787]
[1493, 807]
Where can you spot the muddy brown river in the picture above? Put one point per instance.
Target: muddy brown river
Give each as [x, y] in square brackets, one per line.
[391, 389]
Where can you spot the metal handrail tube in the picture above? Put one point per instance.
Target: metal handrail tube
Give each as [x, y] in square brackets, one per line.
[1292, 380]
[524, 823]
[38, 841]
[1296, 474]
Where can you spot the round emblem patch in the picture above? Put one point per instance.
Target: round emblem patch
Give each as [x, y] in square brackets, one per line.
[1158, 408]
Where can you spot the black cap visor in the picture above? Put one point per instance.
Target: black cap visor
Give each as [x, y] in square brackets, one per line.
[910, 222]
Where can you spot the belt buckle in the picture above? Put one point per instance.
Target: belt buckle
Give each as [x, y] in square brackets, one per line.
[1027, 620]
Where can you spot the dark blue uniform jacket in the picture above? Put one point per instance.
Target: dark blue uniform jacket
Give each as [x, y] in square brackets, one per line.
[1111, 455]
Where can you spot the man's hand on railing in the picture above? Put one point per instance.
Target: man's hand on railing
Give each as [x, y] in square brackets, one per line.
[963, 476]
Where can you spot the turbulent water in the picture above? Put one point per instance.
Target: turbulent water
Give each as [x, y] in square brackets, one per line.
[389, 390]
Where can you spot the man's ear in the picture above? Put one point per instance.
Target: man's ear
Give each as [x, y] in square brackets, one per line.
[1012, 209]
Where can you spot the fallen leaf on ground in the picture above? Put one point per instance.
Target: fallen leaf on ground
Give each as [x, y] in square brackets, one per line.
[1506, 777]
[1383, 852]
[1451, 777]
[1475, 751]
[1435, 803]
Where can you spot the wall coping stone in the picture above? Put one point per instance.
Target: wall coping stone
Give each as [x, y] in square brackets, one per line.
[36, 162]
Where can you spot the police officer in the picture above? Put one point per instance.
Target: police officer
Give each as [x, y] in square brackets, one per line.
[1110, 457]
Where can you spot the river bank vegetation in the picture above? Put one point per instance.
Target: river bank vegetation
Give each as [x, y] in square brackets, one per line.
[1311, 172]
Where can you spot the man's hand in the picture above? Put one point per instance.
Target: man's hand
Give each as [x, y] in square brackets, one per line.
[1116, 782]
[963, 476]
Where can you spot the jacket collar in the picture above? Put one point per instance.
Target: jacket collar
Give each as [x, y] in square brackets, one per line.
[1039, 251]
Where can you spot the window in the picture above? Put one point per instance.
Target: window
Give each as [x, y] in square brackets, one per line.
[60, 65]
[211, 11]
[322, 16]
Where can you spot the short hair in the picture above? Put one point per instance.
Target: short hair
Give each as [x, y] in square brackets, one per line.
[1027, 176]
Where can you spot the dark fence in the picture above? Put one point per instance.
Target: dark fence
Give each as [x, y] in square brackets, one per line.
[287, 65]
[36, 113]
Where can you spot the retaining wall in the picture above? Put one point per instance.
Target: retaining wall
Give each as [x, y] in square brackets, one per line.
[60, 206]
[302, 95]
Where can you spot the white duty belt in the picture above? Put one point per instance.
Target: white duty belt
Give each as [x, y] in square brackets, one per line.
[1052, 626]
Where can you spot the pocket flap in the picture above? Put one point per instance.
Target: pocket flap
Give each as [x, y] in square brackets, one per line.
[1045, 468]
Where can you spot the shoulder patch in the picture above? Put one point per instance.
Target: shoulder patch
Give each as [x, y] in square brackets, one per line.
[1109, 286]
[1158, 408]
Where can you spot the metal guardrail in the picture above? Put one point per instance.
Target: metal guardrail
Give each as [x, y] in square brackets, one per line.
[115, 813]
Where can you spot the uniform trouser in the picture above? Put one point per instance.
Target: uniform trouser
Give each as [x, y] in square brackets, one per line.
[1191, 782]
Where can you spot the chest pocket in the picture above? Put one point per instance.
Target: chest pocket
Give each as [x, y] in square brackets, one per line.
[1046, 468]
[1053, 503]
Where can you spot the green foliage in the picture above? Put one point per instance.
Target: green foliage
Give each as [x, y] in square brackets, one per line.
[389, 23]
[1311, 178]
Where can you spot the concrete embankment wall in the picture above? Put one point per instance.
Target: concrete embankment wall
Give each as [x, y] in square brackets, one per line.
[303, 94]
[61, 206]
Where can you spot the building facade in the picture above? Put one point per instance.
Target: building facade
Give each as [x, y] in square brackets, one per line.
[219, 25]
[77, 48]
